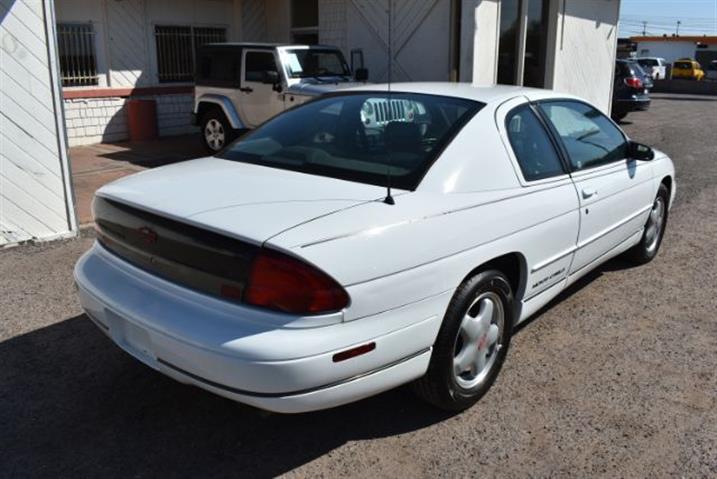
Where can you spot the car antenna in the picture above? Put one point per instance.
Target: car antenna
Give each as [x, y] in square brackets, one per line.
[389, 198]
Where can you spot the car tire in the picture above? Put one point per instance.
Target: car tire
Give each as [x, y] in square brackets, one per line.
[471, 345]
[646, 250]
[216, 132]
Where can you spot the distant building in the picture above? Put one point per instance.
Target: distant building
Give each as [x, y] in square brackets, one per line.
[701, 48]
[626, 48]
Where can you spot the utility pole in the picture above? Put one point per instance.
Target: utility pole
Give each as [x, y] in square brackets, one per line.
[678, 28]
[644, 28]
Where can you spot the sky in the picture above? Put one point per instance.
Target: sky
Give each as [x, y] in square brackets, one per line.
[697, 17]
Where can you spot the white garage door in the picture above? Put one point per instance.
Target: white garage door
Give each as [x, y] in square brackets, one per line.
[420, 38]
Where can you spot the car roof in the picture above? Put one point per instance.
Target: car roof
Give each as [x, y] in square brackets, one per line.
[483, 94]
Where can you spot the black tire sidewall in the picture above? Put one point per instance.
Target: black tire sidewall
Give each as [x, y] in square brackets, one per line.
[641, 253]
[455, 396]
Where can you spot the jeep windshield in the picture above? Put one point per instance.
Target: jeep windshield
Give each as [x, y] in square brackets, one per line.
[361, 137]
[314, 62]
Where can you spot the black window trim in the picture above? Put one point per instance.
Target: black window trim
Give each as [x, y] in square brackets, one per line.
[564, 162]
[248, 50]
[559, 140]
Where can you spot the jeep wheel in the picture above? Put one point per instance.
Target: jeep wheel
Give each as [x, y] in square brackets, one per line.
[216, 131]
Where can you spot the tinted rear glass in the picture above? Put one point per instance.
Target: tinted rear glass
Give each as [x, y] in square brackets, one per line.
[648, 62]
[362, 137]
[637, 69]
[684, 65]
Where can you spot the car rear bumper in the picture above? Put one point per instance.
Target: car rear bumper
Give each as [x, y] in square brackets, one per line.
[204, 341]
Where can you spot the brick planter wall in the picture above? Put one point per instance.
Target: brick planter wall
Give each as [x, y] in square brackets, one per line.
[104, 120]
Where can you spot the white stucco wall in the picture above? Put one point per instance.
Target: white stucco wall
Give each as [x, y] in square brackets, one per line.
[585, 49]
[126, 53]
[124, 31]
[480, 23]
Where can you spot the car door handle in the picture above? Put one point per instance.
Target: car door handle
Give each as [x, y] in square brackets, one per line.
[588, 193]
[246, 89]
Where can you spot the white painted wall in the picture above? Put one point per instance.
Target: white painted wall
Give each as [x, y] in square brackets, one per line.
[480, 23]
[278, 27]
[36, 201]
[420, 38]
[125, 44]
[585, 49]
[126, 53]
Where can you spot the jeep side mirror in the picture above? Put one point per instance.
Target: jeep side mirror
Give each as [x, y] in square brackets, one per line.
[361, 74]
[638, 151]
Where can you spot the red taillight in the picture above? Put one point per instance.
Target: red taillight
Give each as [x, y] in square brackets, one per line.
[633, 82]
[282, 283]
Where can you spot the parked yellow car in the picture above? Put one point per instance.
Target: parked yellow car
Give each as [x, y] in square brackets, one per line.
[688, 69]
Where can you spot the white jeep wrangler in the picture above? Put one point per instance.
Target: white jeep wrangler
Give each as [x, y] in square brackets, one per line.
[241, 85]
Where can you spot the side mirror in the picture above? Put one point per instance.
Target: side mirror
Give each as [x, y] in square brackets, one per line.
[361, 74]
[638, 151]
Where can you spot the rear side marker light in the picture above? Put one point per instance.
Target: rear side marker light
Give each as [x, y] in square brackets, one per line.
[353, 352]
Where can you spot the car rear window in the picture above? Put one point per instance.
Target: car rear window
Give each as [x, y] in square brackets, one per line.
[637, 69]
[364, 137]
[648, 62]
[683, 65]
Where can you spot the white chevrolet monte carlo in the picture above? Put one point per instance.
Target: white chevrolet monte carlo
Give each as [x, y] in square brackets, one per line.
[283, 274]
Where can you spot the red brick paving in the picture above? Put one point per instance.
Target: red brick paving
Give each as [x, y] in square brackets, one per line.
[96, 165]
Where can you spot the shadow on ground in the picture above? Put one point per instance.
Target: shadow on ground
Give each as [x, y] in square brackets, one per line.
[75, 404]
[151, 154]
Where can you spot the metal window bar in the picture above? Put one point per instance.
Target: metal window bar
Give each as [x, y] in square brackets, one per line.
[76, 49]
[177, 48]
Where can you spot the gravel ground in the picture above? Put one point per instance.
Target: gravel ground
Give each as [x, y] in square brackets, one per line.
[616, 378]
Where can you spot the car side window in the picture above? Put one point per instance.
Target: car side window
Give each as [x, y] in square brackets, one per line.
[589, 137]
[256, 63]
[533, 149]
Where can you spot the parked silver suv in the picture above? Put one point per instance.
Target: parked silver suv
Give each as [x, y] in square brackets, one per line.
[241, 85]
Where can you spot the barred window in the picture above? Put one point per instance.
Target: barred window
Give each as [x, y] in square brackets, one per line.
[177, 48]
[76, 49]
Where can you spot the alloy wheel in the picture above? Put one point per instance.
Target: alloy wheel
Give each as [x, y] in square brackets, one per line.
[655, 222]
[479, 339]
[214, 134]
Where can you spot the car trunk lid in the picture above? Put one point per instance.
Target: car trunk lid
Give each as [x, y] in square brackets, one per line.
[243, 201]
